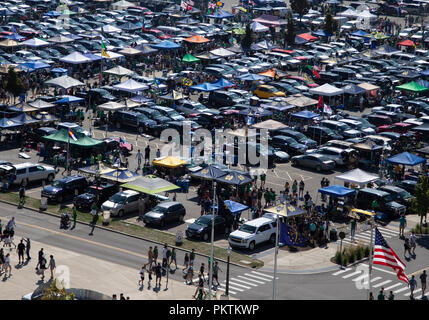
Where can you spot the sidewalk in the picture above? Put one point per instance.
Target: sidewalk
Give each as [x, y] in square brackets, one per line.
[88, 273]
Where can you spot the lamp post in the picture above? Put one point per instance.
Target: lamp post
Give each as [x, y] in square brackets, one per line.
[228, 251]
[212, 241]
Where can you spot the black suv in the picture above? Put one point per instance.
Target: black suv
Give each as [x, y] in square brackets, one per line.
[152, 114]
[97, 96]
[104, 191]
[221, 98]
[385, 201]
[322, 134]
[65, 188]
[135, 120]
[298, 136]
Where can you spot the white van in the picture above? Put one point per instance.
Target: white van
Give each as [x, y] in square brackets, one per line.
[253, 233]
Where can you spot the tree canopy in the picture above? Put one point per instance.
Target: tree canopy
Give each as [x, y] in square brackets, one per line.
[420, 204]
[330, 25]
[300, 7]
[248, 38]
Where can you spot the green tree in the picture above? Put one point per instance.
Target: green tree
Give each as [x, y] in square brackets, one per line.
[56, 291]
[289, 35]
[330, 25]
[14, 84]
[248, 38]
[420, 204]
[300, 7]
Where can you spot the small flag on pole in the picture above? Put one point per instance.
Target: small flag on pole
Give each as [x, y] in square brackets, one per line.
[104, 50]
[385, 256]
[320, 103]
[327, 109]
[71, 135]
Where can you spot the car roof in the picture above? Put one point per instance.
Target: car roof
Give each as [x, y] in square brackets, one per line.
[128, 192]
[167, 204]
[258, 222]
[392, 188]
[375, 191]
[24, 165]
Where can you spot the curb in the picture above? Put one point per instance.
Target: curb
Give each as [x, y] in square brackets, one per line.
[314, 271]
[123, 233]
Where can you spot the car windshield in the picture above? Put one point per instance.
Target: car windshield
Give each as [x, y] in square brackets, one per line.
[58, 184]
[404, 194]
[92, 190]
[159, 209]
[248, 229]
[203, 221]
[118, 198]
[172, 113]
[388, 198]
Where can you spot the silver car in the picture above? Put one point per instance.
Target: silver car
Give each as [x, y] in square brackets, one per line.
[121, 203]
[313, 161]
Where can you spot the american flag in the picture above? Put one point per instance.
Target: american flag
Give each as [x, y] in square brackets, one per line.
[385, 256]
[212, 5]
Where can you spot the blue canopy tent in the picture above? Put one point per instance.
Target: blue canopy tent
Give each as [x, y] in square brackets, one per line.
[322, 33]
[121, 175]
[251, 77]
[223, 83]
[92, 56]
[166, 45]
[59, 70]
[423, 83]
[337, 191]
[299, 40]
[220, 14]
[33, 65]
[52, 14]
[235, 178]
[353, 89]
[425, 72]
[305, 114]
[15, 37]
[7, 123]
[209, 173]
[205, 87]
[23, 118]
[359, 33]
[406, 159]
[69, 100]
[235, 207]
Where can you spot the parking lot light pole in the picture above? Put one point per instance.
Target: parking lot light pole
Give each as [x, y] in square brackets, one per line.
[212, 241]
[228, 251]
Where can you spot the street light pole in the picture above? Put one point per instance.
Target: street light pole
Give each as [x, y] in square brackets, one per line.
[212, 242]
[228, 250]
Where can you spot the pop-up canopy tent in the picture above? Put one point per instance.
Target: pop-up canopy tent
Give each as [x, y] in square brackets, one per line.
[131, 86]
[190, 58]
[220, 14]
[223, 83]
[111, 106]
[150, 184]
[326, 90]
[406, 159]
[270, 125]
[99, 167]
[353, 89]
[301, 101]
[197, 39]
[69, 100]
[235, 178]
[40, 104]
[121, 175]
[251, 77]
[305, 114]
[387, 50]
[357, 176]
[205, 87]
[286, 210]
[75, 58]
[169, 162]
[35, 42]
[221, 52]
[166, 45]
[337, 191]
[209, 173]
[65, 82]
[359, 33]
[7, 123]
[119, 71]
[258, 27]
[83, 141]
[263, 45]
[33, 65]
[412, 87]
[235, 207]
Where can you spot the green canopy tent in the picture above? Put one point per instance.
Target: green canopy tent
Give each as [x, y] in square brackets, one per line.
[190, 58]
[412, 86]
[83, 141]
[150, 184]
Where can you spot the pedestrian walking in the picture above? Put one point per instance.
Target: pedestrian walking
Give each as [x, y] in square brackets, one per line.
[407, 247]
[402, 225]
[139, 157]
[352, 229]
[173, 258]
[20, 250]
[150, 258]
[149, 271]
[2, 259]
[423, 277]
[141, 281]
[215, 275]
[27, 248]
[94, 219]
[21, 196]
[52, 265]
[202, 269]
[186, 261]
[371, 297]
[301, 189]
[391, 296]
[158, 275]
[192, 257]
[155, 254]
[413, 285]
[413, 243]
[147, 153]
[189, 274]
[200, 285]
[74, 216]
[201, 295]
[41, 256]
[7, 265]
[43, 267]
[164, 256]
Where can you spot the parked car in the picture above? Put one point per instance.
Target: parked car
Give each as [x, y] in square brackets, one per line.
[122, 203]
[366, 196]
[265, 91]
[252, 233]
[288, 144]
[322, 134]
[398, 194]
[135, 120]
[298, 136]
[339, 156]
[313, 161]
[220, 98]
[408, 185]
[165, 212]
[65, 188]
[30, 172]
[103, 191]
[201, 228]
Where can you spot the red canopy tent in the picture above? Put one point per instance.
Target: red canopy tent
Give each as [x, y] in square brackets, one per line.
[407, 43]
[307, 37]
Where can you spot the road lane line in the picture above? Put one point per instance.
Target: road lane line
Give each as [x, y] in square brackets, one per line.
[262, 274]
[400, 290]
[372, 280]
[351, 274]
[415, 291]
[381, 283]
[237, 284]
[394, 286]
[250, 284]
[260, 282]
[341, 271]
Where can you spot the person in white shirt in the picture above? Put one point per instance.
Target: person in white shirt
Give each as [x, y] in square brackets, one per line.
[413, 242]
[164, 255]
[141, 276]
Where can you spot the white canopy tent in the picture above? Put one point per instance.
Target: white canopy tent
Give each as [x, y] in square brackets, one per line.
[119, 71]
[60, 39]
[35, 42]
[109, 29]
[221, 52]
[64, 82]
[130, 51]
[75, 58]
[357, 176]
[40, 104]
[258, 27]
[349, 13]
[131, 86]
[112, 55]
[122, 4]
[111, 106]
[326, 90]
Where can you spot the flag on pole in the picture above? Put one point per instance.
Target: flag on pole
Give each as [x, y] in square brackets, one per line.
[212, 5]
[290, 236]
[320, 103]
[188, 8]
[385, 256]
[104, 50]
[71, 135]
[327, 109]
[183, 5]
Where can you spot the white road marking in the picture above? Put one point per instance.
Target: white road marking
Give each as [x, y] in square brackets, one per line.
[415, 291]
[360, 277]
[393, 286]
[253, 276]
[351, 274]
[372, 280]
[381, 283]
[400, 290]
[341, 271]
[260, 282]
[238, 284]
[375, 268]
[229, 291]
[262, 274]
[250, 284]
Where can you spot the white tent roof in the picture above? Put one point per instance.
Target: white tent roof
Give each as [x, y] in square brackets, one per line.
[113, 55]
[122, 4]
[60, 39]
[111, 106]
[40, 104]
[35, 42]
[258, 27]
[109, 29]
[131, 86]
[65, 82]
[75, 58]
[326, 90]
[270, 125]
[221, 52]
[366, 15]
[348, 13]
[119, 71]
[130, 51]
[357, 176]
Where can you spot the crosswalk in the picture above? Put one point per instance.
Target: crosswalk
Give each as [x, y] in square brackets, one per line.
[240, 283]
[365, 236]
[397, 287]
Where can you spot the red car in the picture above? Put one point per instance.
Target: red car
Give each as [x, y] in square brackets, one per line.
[116, 142]
[159, 34]
[399, 127]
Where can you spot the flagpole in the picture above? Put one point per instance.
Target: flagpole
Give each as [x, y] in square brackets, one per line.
[275, 255]
[371, 249]
[68, 152]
